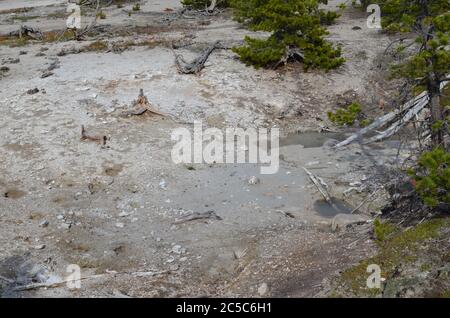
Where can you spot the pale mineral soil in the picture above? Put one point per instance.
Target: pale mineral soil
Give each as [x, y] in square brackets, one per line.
[121, 200]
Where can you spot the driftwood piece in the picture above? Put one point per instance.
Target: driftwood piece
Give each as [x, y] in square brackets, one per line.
[96, 138]
[197, 64]
[142, 106]
[55, 284]
[286, 214]
[65, 281]
[25, 30]
[197, 216]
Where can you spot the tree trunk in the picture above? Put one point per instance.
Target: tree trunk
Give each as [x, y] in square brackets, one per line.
[437, 113]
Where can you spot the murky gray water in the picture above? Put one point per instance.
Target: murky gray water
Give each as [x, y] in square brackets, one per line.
[323, 208]
[311, 139]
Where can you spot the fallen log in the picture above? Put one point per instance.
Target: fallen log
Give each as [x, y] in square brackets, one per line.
[197, 64]
[400, 123]
[383, 120]
[409, 110]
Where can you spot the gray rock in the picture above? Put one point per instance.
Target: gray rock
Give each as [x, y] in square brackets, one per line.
[263, 289]
[254, 180]
[44, 223]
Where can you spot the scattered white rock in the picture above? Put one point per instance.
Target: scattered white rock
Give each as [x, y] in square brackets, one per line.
[163, 184]
[44, 223]
[66, 226]
[120, 225]
[39, 247]
[263, 289]
[177, 249]
[253, 180]
[170, 260]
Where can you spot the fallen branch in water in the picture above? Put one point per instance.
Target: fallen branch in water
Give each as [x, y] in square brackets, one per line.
[320, 185]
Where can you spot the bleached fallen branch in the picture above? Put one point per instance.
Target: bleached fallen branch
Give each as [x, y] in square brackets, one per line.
[381, 121]
[400, 123]
[409, 110]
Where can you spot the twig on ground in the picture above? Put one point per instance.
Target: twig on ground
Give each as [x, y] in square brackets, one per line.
[197, 216]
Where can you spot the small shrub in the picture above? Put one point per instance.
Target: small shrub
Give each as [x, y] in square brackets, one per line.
[137, 7]
[101, 15]
[432, 177]
[345, 116]
[383, 231]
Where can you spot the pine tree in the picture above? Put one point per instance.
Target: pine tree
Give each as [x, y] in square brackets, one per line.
[296, 31]
[430, 65]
